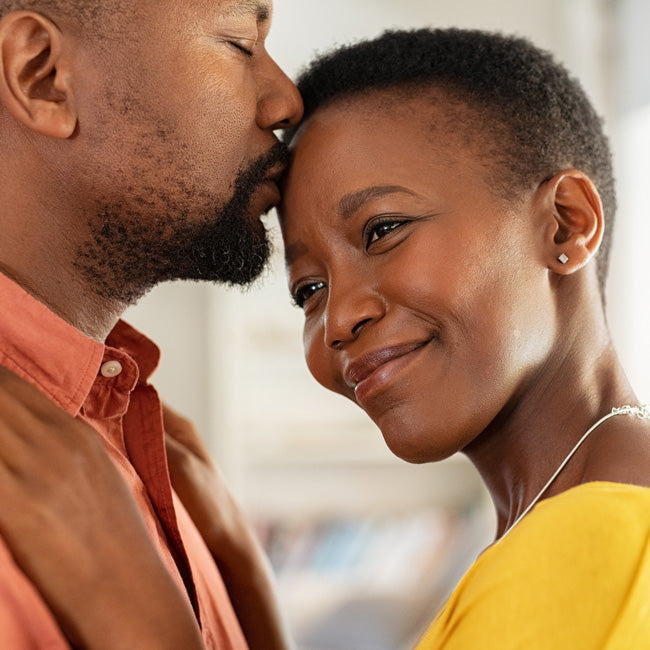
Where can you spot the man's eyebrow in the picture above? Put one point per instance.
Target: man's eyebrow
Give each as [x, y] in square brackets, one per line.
[350, 203]
[258, 8]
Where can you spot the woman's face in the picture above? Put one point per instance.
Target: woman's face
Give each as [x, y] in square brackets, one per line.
[426, 297]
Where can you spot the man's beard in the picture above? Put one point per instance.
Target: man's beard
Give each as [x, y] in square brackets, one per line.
[128, 254]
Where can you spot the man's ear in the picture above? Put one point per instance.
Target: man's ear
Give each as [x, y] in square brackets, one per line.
[34, 75]
[573, 214]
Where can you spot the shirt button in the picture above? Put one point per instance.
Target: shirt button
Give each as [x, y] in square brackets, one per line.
[111, 369]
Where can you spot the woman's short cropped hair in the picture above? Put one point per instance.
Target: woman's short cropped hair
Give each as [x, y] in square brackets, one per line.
[537, 116]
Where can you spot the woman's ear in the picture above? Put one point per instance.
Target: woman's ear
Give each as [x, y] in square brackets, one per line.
[35, 84]
[573, 213]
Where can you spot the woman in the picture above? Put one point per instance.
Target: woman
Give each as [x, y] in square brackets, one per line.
[447, 218]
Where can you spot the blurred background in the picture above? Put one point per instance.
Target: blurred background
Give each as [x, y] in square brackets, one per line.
[365, 546]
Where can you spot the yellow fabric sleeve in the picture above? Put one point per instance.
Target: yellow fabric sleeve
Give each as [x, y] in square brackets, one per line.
[573, 574]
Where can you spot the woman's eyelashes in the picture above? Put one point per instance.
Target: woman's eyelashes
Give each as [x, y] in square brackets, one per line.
[303, 292]
[380, 227]
[375, 230]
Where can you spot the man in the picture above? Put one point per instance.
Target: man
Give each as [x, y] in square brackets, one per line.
[137, 146]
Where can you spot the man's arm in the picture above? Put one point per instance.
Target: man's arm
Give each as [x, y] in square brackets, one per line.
[242, 562]
[75, 530]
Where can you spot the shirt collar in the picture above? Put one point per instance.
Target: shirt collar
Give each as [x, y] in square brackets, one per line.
[55, 356]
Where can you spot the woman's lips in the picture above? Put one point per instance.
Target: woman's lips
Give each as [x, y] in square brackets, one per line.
[373, 370]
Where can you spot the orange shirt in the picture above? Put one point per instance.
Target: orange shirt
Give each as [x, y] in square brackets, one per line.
[125, 410]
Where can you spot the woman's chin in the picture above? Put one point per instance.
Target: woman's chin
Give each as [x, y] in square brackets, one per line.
[416, 447]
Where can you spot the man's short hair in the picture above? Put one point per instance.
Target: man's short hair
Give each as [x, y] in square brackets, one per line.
[530, 110]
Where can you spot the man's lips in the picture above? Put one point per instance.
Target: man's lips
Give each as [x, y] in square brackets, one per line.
[362, 367]
[269, 193]
[272, 182]
[275, 173]
[275, 190]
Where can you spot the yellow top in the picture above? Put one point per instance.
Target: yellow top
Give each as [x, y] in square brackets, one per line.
[574, 574]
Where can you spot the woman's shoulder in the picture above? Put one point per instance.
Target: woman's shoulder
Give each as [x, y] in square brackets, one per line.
[572, 573]
[605, 515]
[612, 494]
[597, 524]
[597, 501]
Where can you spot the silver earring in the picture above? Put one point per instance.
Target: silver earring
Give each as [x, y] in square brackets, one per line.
[563, 259]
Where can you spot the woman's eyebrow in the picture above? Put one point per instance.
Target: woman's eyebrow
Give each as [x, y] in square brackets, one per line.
[351, 202]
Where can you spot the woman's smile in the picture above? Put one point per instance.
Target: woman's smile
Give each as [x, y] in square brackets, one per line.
[373, 373]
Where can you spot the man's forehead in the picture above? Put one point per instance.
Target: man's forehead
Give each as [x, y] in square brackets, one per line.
[261, 9]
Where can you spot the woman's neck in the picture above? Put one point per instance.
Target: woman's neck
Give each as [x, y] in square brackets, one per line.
[523, 447]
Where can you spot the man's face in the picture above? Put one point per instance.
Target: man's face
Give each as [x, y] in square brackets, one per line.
[180, 158]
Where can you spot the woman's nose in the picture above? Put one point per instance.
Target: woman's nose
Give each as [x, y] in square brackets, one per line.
[350, 310]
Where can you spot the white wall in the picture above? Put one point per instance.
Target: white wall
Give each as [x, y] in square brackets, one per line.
[629, 282]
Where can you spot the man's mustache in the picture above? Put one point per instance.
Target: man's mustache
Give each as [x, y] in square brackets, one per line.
[258, 171]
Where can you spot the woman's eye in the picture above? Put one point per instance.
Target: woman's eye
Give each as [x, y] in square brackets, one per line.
[379, 229]
[305, 291]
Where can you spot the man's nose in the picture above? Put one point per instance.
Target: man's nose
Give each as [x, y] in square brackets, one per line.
[279, 103]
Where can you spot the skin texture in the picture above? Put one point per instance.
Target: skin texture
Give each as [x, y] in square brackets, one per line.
[138, 146]
[441, 308]
[125, 148]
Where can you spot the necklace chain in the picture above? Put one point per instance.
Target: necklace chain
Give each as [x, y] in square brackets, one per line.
[640, 410]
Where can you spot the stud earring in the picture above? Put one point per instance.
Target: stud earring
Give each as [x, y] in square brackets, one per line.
[563, 259]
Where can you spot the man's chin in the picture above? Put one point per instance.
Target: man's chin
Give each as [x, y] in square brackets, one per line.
[244, 264]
